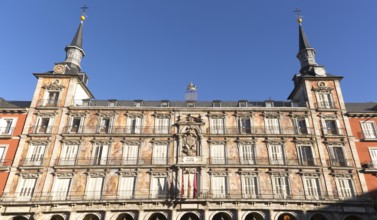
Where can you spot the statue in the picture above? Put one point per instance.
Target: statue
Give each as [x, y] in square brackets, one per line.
[190, 141]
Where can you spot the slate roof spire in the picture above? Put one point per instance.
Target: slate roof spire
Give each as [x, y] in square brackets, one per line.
[306, 55]
[74, 51]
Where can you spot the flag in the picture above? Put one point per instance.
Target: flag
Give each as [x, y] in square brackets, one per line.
[183, 185]
[189, 186]
[195, 187]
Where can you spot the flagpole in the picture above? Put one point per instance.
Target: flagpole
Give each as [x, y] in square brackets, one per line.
[195, 186]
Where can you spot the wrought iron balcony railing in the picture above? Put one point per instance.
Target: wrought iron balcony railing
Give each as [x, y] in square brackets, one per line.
[172, 194]
[48, 103]
[6, 131]
[340, 163]
[118, 130]
[110, 161]
[265, 161]
[41, 129]
[270, 130]
[326, 105]
[334, 131]
[35, 161]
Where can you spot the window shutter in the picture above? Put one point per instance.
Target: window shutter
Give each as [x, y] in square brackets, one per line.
[324, 126]
[3, 125]
[307, 125]
[105, 151]
[61, 189]
[137, 125]
[373, 156]
[218, 154]
[340, 130]
[127, 185]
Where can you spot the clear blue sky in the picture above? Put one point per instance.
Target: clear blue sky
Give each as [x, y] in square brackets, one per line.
[151, 49]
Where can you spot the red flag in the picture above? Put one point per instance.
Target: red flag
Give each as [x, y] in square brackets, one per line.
[195, 187]
[183, 185]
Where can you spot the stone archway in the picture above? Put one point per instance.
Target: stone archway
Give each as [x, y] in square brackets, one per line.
[352, 217]
[286, 216]
[254, 216]
[91, 217]
[57, 217]
[318, 217]
[125, 216]
[221, 216]
[20, 218]
[157, 216]
[190, 216]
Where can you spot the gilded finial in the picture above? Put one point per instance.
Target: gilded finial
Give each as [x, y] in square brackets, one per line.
[83, 13]
[191, 86]
[298, 14]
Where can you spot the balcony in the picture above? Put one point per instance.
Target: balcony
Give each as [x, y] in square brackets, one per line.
[265, 161]
[340, 163]
[326, 105]
[133, 130]
[32, 162]
[6, 132]
[48, 103]
[172, 194]
[41, 130]
[334, 131]
[260, 131]
[110, 161]
[192, 160]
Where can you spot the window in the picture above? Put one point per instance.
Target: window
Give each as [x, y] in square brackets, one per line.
[216, 103]
[242, 104]
[68, 154]
[2, 155]
[217, 125]
[44, 125]
[247, 153]
[281, 187]
[218, 154]
[52, 98]
[190, 185]
[127, 187]
[312, 187]
[25, 189]
[164, 103]
[276, 154]
[272, 126]
[61, 188]
[105, 125]
[325, 100]
[331, 127]
[301, 125]
[7, 126]
[76, 124]
[338, 158]
[249, 186]
[345, 187]
[369, 130]
[159, 187]
[100, 154]
[160, 153]
[306, 155]
[373, 156]
[219, 187]
[34, 155]
[162, 124]
[244, 125]
[133, 125]
[94, 188]
[130, 153]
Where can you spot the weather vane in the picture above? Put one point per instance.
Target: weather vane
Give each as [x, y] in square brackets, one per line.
[297, 11]
[83, 12]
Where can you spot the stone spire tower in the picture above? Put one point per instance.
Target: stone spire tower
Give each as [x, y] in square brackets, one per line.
[74, 54]
[306, 55]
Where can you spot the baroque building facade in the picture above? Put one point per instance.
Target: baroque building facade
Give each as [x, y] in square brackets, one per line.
[81, 158]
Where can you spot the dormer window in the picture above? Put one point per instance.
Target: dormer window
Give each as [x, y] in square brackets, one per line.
[190, 104]
[269, 104]
[216, 103]
[112, 103]
[138, 103]
[52, 99]
[165, 103]
[242, 103]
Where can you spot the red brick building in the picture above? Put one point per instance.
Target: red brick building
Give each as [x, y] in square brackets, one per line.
[363, 121]
[12, 120]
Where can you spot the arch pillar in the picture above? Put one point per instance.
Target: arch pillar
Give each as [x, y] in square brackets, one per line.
[173, 214]
[206, 214]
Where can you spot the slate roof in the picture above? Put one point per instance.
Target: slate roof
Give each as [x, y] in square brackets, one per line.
[362, 107]
[14, 104]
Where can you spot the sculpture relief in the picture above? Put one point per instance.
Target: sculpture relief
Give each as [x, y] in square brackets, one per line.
[190, 142]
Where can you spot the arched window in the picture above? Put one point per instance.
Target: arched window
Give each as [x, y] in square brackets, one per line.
[190, 216]
[254, 216]
[125, 217]
[91, 217]
[157, 216]
[221, 216]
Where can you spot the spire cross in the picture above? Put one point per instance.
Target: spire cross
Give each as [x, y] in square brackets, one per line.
[83, 9]
[297, 11]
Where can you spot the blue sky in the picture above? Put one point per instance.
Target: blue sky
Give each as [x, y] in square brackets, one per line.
[151, 49]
